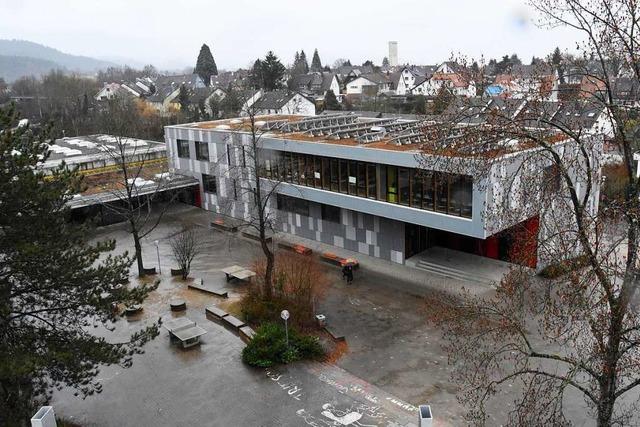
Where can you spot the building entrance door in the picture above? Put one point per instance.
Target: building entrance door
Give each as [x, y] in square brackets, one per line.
[415, 239]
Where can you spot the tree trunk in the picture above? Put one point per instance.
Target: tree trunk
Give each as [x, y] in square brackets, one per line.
[138, 247]
[605, 411]
[268, 272]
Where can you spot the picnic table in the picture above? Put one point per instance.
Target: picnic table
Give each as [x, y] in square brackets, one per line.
[184, 330]
[237, 272]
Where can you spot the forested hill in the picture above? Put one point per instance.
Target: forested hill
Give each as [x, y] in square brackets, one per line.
[20, 58]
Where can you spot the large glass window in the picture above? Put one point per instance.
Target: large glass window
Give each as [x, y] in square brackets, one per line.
[362, 180]
[334, 175]
[202, 150]
[447, 193]
[344, 176]
[326, 174]
[392, 184]
[209, 184]
[372, 188]
[427, 191]
[416, 189]
[183, 148]
[353, 178]
[292, 204]
[403, 184]
[442, 192]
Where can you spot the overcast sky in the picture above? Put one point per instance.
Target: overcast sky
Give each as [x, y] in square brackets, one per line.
[168, 34]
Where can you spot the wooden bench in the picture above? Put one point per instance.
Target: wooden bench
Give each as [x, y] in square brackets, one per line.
[339, 261]
[220, 225]
[198, 284]
[300, 249]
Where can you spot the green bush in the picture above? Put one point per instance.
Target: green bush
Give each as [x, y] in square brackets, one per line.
[269, 347]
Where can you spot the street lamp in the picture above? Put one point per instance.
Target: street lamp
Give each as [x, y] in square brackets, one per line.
[157, 243]
[285, 317]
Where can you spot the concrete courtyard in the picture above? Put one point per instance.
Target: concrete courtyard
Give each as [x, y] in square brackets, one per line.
[393, 360]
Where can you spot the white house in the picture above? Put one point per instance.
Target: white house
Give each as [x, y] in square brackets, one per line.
[284, 102]
[369, 84]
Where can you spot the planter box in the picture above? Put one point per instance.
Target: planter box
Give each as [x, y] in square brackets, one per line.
[149, 270]
[302, 250]
[255, 237]
[220, 225]
[45, 417]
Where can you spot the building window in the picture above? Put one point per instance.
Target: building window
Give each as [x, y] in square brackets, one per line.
[202, 150]
[229, 155]
[183, 148]
[244, 157]
[209, 184]
[235, 190]
[330, 213]
[403, 184]
[436, 191]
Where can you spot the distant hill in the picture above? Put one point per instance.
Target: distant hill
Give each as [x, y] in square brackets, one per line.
[22, 58]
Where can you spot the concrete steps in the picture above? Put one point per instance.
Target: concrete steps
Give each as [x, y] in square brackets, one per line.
[453, 273]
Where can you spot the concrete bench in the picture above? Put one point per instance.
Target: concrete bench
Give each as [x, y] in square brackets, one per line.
[255, 237]
[220, 225]
[246, 333]
[176, 272]
[337, 336]
[233, 322]
[215, 312]
[302, 250]
[149, 271]
[198, 284]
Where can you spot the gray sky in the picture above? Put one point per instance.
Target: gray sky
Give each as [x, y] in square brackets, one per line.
[169, 34]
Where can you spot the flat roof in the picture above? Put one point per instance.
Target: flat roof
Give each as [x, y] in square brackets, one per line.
[83, 149]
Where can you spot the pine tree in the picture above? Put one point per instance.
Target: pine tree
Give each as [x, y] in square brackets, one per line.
[54, 285]
[206, 65]
[272, 72]
[256, 79]
[316, 65]
[385, 62]
[331, 102]
[184, 99]
[442, 100]
[420, 105]
[304, 64]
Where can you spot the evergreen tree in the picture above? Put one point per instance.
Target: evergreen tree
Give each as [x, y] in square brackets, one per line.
[316, 65]
[556, 61]
[346, 63]
[304, 64]
[206, 66]
[272, 72]
[256, 79]
[367, 63]
[331, 102]
[420, 105]
[442, 100]
[385, 62]
[184, 99]
[85, 105]
[231, 104]
[55, 286]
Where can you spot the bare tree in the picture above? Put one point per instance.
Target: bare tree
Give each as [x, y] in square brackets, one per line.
[185, 246]
[142, 177]
[577, 335]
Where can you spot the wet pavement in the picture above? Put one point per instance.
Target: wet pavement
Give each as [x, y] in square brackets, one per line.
[392, 360]
[209, 385]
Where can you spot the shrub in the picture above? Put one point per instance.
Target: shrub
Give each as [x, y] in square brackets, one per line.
[269, 347]
[558, 269]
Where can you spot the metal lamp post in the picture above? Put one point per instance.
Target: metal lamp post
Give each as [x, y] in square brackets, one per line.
[155, 242]
[285, 316]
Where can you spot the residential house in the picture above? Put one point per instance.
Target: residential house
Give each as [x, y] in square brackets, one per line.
[370, 84]
[168, 89]
[530, 81]
[284, 102]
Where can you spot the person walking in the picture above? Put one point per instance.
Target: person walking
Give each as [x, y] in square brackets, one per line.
[349, 274]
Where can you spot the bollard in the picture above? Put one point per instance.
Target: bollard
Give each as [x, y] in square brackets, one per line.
[425, 417]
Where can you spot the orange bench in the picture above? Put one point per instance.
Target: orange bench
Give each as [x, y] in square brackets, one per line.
[338, 260]
[301, 249]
